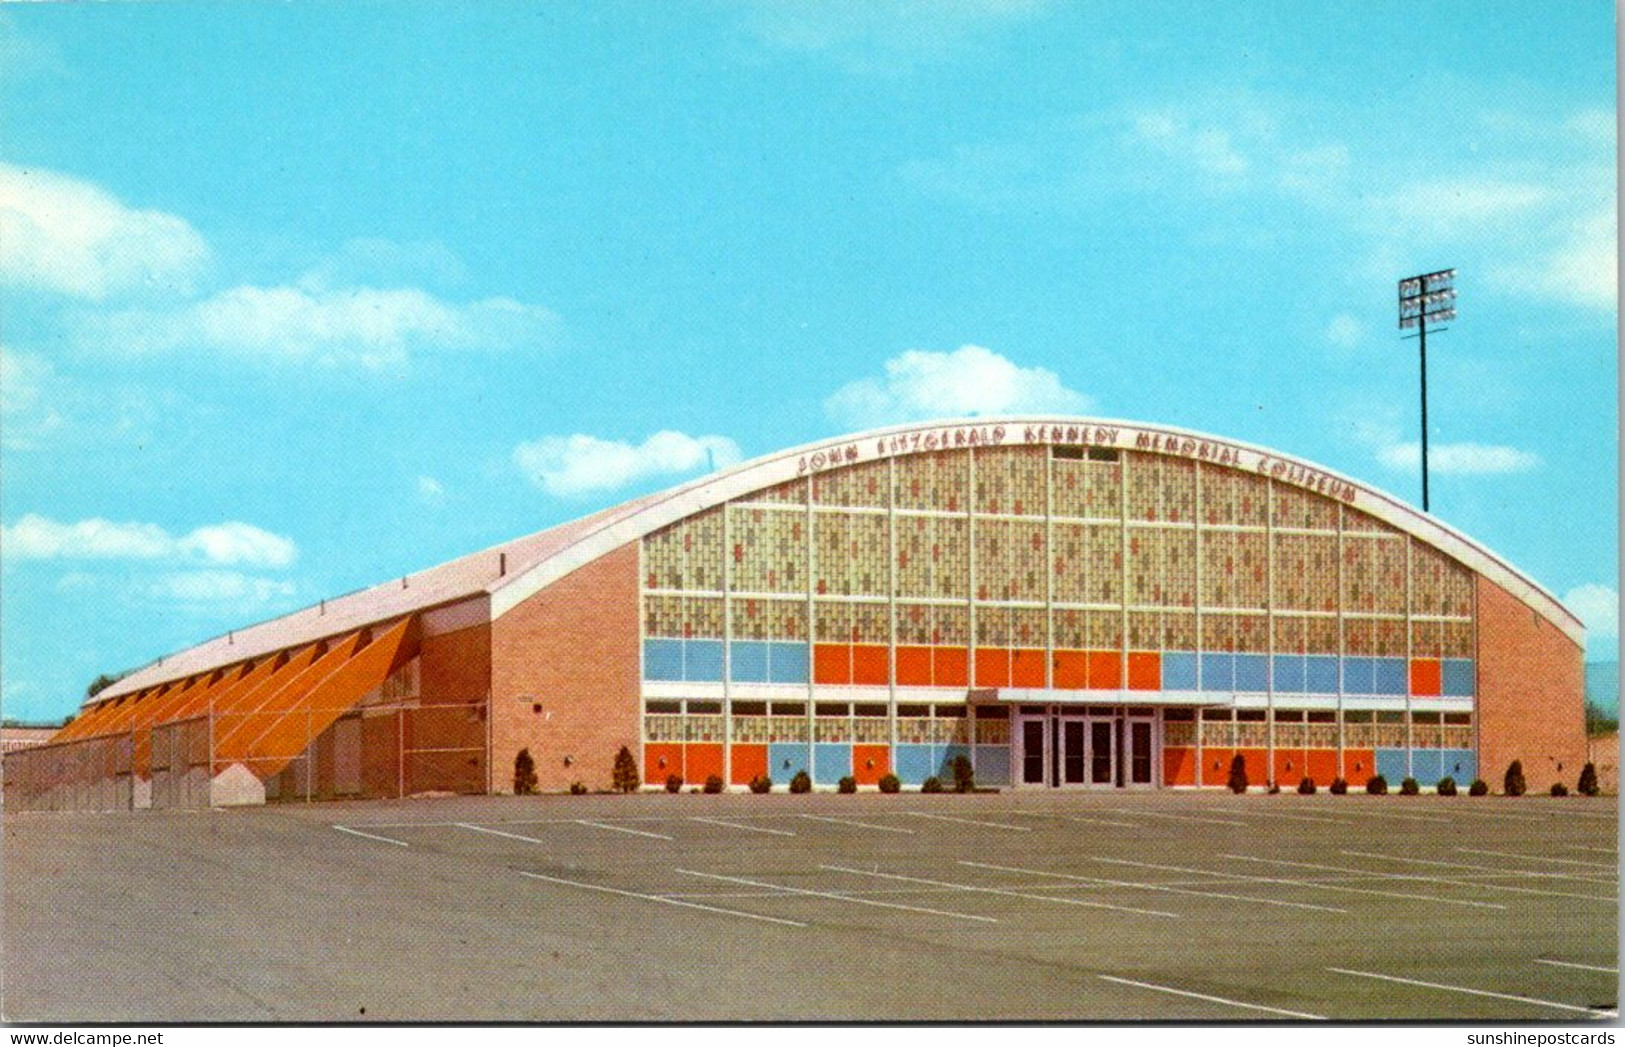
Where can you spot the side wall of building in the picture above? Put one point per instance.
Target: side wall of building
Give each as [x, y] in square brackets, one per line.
[1531, 694]
[564, 676]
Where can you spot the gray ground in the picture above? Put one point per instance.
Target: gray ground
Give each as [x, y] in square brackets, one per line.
[274, 914]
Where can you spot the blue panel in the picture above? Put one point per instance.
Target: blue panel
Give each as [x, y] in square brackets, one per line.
[1288, 670]
[1425, 766]
[1252, 673]
[832, 761]
[1460, 764]
[1359, 676]
[747, 661]
[1389, 676]
[1218, 672]
[1178, 671]
[784, 759]
[912, 763]
[1391, 765]
[788, 662]
[702, 660]
[944, 756]
[993, 765]
[662, 659]
[1457, 677]
[1320, 674]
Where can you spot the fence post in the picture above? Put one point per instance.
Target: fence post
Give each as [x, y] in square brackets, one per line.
[400, 752]
[310, 760]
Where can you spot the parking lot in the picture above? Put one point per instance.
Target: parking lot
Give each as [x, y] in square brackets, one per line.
[1090, 907]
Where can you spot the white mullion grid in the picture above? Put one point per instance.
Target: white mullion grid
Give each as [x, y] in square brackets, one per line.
[1269, 622]
[812, 622]
[1342, 761]
[727, 655]
[1478, 772]
[1049, 570]
[1196, 607]
[891, 598]
[1410, 756]
[970, 579]
[1122, 565]
[643, 672]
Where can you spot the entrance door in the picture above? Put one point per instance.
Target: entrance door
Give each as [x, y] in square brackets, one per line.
[1102, 752]
[1034, 751]
[1139, 752]
[1072, 759]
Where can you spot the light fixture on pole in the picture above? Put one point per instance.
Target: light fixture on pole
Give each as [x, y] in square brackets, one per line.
[1425, 299]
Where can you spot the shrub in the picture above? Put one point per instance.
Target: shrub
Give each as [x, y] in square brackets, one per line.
[713, 783]
[1306, 787]
[890, 783]
[1376, 785]
[1587, 785]
[1238, 774]
[964, 777]
[674, 783]
[801, 783]
[848, 784]
[1408, 787]
[1338, 787]
[931, 785]
[577, 789]
[625, 776]
[1479, 788]
[761, 784]
[1273, 788]
[524, 773]
[1559, 789]
[1514, 785]
[1446, 786]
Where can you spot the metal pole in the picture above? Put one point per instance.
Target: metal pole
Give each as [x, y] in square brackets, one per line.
[1422, 325]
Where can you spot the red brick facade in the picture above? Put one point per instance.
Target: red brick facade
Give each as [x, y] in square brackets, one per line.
[1531, 694]
[564, 676]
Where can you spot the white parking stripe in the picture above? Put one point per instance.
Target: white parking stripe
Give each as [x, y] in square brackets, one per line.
[1175, 817]
[1002, 891]
[1157, 887]
[1315, 885]
[622, 829]
[1284, 814]
[1366, 873]
[1594, 1012]
[664, 901]
[746, 828]
[1579, 966]
[1535, 858]
[1479, 868]
[1213, 999]
[1403, 817]
[970, 821]
[497, 832]
[1582, 847]
[1098, 821]
[860, 825]
[370, 836]
[839, 897]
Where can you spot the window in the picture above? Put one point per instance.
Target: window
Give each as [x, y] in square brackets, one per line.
[1289, 716]
[1249, 715]
[950, 711]
[1323, 716]
[669, 708]
[914, 711]
[1216, 714]
[833, 709]
[704, 708]
[1103, 454]
[1178, 715]
[1073, 453]
[992, 712]
[789, 708]
[750, 708]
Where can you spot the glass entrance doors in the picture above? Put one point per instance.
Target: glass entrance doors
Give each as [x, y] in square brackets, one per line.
[1101, 747]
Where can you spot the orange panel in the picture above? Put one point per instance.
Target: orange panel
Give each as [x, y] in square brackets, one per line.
[870, 763]
[832, 663]
[1425, 676]
[661, 759]
[248, 698]
[1358, 765]
[1178, 766]
[1071, 669]
[1289, 765]
[748, 762]
[1027, 668]
[702, 761]
[871, 664]
[280, 692]
[914, 666]
[992, 667]
[1216, 766]
[948, 667]
[1106, 670]
[1258, 763]
[1144, 671]
[1322, 765]
[197, 702]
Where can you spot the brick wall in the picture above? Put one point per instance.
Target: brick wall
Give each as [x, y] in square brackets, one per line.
[1531, 694]
[572, 650]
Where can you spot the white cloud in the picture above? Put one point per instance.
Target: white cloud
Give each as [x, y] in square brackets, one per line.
[880, 36]
[35, 537]
[1449, 206]
[430, 491]
[217, 591]
[1598, 607]
[971, 380]
[1211, 149]
[371, 328]
[64, 235]
[1584, 270]
[577, 465]
[26, 411]
[1459, 459]
[1344, 331]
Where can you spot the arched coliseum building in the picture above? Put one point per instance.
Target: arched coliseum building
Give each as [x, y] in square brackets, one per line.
[1069, 603]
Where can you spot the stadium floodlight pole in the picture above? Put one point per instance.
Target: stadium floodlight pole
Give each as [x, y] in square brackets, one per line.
[1425, 298]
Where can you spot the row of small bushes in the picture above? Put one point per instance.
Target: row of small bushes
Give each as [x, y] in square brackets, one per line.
[1377, 785]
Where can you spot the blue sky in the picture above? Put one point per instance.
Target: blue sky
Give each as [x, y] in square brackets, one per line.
[301, 297]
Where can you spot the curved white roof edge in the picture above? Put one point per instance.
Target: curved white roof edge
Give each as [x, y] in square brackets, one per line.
[1026, 430]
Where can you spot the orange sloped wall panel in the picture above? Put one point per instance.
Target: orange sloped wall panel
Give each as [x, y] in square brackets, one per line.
[248, 698]
[259, 710]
